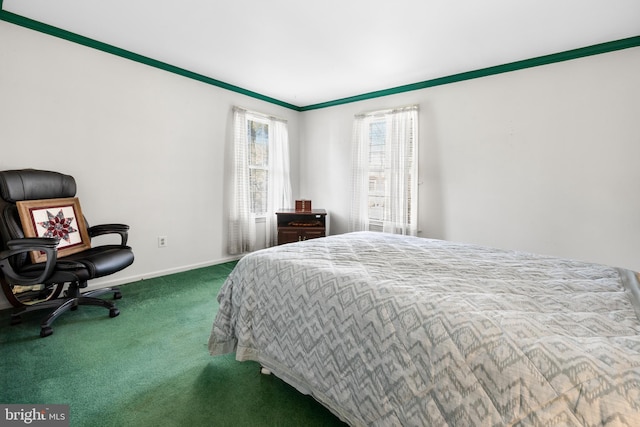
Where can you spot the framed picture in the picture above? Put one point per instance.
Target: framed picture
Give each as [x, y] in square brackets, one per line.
[58, 218]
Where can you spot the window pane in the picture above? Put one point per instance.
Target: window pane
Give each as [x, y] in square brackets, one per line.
[377, 136]
[377, 139]
[258, 143]
[258, 136]
[258, 179]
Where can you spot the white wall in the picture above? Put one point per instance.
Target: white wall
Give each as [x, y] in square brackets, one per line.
[147, 147]
[544, 159]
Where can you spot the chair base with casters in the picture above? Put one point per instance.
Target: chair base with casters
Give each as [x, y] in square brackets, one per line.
[41, 281]
[71, 300]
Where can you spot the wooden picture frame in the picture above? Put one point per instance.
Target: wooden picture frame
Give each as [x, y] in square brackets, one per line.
[57, 218]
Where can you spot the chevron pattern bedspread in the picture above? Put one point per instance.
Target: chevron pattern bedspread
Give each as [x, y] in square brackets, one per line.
[387, 330]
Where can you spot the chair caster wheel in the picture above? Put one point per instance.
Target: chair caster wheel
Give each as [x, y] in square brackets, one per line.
[15, 320]
[114, 312]
[46, 331]
[117, 295]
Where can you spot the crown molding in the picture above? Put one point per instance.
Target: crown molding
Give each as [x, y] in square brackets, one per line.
[484, 72]
[86, 41]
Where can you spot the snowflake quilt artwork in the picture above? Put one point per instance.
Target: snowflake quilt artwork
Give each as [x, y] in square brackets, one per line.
[60, 219]
[58, 226]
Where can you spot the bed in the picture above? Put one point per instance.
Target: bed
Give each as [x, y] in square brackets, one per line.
[389, 330]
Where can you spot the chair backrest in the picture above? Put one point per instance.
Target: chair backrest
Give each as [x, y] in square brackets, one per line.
[32, 184]
[28, 184]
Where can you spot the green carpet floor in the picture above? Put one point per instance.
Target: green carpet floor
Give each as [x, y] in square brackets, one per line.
[149, 366]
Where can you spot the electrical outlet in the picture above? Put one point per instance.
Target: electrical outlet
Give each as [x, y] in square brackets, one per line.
[162, 241]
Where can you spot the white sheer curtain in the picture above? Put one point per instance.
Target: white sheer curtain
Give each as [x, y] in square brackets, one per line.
[242, 221]
[396, 182]
[359, 216]
[242, 224]
[279, 195]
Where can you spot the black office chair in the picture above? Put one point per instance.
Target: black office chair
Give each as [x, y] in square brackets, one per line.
[30, 285]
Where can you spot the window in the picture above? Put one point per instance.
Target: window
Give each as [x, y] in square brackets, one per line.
[385, 171]
[259, 182]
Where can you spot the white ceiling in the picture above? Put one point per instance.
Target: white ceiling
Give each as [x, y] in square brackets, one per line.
[305, 53]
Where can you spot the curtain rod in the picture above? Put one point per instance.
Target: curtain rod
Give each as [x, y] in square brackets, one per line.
[387, 111]
[262, 115]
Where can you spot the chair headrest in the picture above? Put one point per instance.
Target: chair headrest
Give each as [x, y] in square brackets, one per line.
[32, 184]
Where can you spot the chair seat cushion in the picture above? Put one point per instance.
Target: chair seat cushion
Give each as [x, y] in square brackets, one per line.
[103, 260]
[82, 266]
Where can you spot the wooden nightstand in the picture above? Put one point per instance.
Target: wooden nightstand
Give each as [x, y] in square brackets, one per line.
[295, 226]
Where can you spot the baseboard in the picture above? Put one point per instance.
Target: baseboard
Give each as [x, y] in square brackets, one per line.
[107, 283]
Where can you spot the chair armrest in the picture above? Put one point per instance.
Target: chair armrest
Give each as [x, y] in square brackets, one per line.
[18, 246]
[121, 229]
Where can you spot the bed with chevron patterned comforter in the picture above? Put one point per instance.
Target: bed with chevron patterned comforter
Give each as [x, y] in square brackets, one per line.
[387, 330]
